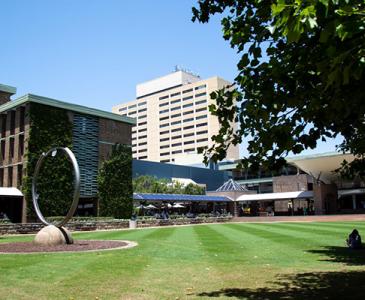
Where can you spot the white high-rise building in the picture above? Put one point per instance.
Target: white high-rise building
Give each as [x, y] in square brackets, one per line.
[173, 119]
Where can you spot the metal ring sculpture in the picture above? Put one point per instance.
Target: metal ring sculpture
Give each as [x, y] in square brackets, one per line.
[76, 193]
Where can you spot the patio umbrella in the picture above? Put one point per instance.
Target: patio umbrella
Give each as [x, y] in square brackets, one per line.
[150, 206]
[178, 205]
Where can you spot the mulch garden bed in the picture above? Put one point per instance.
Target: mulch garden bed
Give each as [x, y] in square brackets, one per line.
[77, 246]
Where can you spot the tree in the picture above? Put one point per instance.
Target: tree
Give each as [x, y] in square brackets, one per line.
[151, 184]
[300, 80]
[115, 184]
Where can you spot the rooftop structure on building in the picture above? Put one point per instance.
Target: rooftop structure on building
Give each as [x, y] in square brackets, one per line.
[173, 120]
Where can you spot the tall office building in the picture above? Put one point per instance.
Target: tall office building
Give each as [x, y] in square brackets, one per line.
[173, 119]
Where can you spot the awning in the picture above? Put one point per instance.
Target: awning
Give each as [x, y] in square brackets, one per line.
[10, 192]
[179, 197]
[276, 196]
[350, 192]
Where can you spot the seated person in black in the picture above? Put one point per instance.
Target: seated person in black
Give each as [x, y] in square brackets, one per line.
[354, 240]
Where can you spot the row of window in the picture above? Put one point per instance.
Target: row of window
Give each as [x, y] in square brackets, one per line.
[187, 150]
[12, 116]
[180, 143]
[12, 147]
[184, 135]
[184, 121]
[189, 112]
[184, 106]
[200, 87]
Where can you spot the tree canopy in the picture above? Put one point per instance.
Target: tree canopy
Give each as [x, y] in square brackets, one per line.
[151, 184]
[300, 78]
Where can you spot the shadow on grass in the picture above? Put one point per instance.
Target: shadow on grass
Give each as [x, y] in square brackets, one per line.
[342, 255]
[321, 285]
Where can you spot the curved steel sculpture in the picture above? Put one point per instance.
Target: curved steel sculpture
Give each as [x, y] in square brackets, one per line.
[76, 193]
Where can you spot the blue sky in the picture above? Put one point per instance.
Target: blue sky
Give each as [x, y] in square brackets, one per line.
[94, 53]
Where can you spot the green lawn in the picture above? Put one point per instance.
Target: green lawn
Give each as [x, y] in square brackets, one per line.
[226, 261]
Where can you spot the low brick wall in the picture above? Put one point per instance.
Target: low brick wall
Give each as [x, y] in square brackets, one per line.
[105, 225]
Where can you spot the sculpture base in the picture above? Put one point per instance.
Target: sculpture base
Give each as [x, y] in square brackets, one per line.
[52, 235]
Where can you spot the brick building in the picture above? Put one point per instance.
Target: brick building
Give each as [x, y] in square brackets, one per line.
[94, 132]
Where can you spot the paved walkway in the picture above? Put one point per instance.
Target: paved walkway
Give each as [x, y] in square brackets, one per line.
[325, 218]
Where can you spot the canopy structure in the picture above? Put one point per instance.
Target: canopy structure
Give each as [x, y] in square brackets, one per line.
[179, 197]
[276, 196]
[231, 186]
[10, 192]
[321, 166]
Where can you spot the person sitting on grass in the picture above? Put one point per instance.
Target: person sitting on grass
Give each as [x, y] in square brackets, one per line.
[354, 240]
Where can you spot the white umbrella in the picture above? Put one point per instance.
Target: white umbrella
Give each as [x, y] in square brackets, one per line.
[150, 206]
[177, 205]
[141, 206]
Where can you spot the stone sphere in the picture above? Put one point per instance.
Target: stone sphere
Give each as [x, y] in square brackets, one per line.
[52, 236]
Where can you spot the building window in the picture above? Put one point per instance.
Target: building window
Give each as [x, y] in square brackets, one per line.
[188, 120]
[142, 123]
[175, 94]
[142, 144]
[175, 101]
[22, 119]
[164, 132]
[176, 152]
[201, 124]
[202, 140]
[142, 117]
[143, 137]
[201, 109]
[163, 104]
[164, 139]
[2, 149]
[176, 130]
[142, 157]
[21, 145]
[132, 113]
[142, 150]
[200, 87]
[175, 108]
[202, 132]
[164, 111]
[20, 175]
[176, 137]
[187, 91]
[3, 125]
[189, 127]
[189, 150]
[165, 153]
[12, 122]
[175, 116]
[188, 112]
[164, 160]
[142, 110]
[142, 130]
[164, 125]
[142, 103]
[201, 102]
[164, 97]
[132, 106]
[188, 105]
[187, 98]
[164, 147]
[123, 109]
[164, 118]
[10, 176]
[11, 147]
[188, 142]
[200, 94]
[176, 122]
[176, 144]
[189, 134]
[201, 117]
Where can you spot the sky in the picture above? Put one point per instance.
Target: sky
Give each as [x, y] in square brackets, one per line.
[94, 52]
